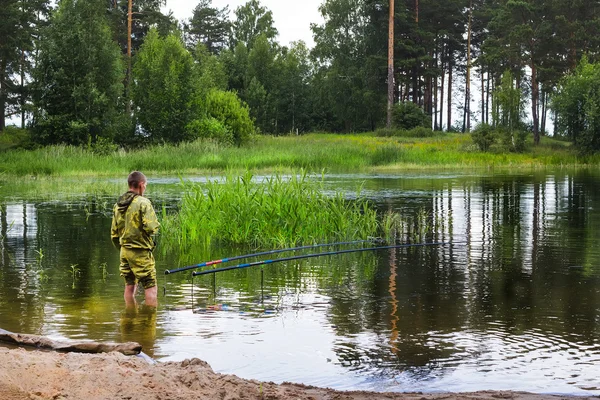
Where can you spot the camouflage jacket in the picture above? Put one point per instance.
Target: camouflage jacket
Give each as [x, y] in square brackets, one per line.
[134, 222]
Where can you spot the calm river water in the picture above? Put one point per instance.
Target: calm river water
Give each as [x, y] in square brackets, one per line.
[510, 301]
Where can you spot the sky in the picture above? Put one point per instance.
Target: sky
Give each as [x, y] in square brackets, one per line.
[292, 17]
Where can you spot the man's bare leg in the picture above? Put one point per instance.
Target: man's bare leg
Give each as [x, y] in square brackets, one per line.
[151, 295]
[129, 295]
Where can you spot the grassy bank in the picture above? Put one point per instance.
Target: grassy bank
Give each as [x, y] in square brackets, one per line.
[313, 152]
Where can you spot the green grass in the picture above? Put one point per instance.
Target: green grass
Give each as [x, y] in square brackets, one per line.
[276, 213]
[313, 152]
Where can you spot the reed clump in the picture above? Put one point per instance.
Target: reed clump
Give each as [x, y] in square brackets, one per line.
[277, 212]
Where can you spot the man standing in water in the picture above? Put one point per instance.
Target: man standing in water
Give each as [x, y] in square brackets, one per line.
[133, 224]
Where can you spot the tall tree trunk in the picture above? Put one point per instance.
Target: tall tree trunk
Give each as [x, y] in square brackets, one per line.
[435, 94]
[544, 111]
[390, 66]
[417, 11]
[487, 99]
[22, 99]
[450, 55]
[482, 95]
[442, 93]
[416, 68]
[535, 96]
[128, 80]
[2, 95]
[467, 114]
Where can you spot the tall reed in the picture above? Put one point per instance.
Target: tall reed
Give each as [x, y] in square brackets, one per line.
[279, 212]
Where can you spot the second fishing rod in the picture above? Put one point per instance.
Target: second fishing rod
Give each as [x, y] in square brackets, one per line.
[269, 252]
[301, 257]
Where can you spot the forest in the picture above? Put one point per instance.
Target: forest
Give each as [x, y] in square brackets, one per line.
[123, 73]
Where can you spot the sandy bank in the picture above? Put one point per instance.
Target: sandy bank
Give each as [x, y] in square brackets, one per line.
[40, 375]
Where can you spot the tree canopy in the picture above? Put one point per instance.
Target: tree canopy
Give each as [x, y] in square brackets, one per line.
[453, 59]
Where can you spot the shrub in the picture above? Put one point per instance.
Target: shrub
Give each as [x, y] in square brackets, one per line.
[418, 132]
[513, 139]
[408, 115]
[386, 132]
[228, 109]
[102, 146]
[15, 138]
[210, 128]
[484, 136]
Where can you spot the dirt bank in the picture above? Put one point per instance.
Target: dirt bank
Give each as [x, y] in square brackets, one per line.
[41, 375]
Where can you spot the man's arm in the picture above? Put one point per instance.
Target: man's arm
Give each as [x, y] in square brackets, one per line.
[149, 221]
[114, 231]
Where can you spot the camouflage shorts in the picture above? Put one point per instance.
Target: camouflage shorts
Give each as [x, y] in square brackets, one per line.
[137, 265]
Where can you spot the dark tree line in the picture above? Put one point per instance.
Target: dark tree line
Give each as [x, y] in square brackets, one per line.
[67, 70]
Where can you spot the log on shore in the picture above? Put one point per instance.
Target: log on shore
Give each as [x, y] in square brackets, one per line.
[40, 342]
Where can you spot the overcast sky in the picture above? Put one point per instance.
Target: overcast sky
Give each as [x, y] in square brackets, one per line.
[292, 17]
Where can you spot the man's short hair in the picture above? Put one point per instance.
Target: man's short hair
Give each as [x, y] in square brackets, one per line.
[135, 178]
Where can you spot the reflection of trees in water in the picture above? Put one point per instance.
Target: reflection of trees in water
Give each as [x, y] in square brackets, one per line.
[37, 281]
[21, 302]
[517, 239]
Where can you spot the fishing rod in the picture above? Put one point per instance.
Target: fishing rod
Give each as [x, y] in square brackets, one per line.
[264, 253]
[330, 253]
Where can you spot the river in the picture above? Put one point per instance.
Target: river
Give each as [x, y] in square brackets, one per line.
[509, 299]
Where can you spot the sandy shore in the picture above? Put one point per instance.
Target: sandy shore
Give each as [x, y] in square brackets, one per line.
[36, 375]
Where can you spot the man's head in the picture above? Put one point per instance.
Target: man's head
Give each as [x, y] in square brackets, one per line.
[137, 182]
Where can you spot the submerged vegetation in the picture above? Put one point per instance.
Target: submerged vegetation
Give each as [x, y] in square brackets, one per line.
[279, 212]
[314, 152]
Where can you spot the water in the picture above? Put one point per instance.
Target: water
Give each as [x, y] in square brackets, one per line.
[511, 301]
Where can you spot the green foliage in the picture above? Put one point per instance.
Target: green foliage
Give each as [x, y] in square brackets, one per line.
[513, 140]
[146, 14]
[408, 115]
[418, 132]
[79, 76]
[280, 212]
[102, 146]
[20, 25]
[484, 136]
[349, 84]
[251, 21]
[508, 114]
[210, 70]
[209, 27]
[232, 113]
[577, 106]
[166, 94]
[15, 138]
[210, 128]
[508, 107]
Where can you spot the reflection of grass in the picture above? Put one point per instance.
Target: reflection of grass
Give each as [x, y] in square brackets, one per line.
[75, 272]
[8, 229]
[40, 255]
[55, 188]
[104, 271]
[313, 152]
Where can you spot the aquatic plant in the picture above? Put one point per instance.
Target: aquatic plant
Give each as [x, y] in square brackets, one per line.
[279, 212]
[40, 255]
[74, 273]
[104, 270]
